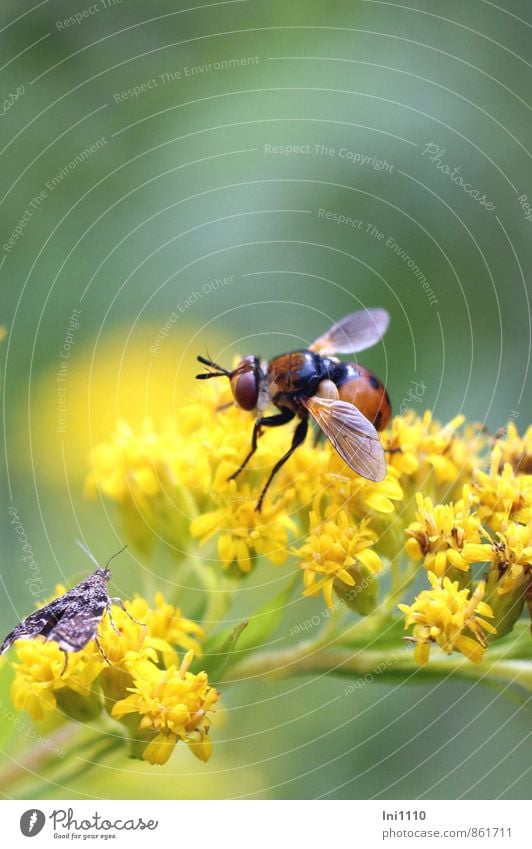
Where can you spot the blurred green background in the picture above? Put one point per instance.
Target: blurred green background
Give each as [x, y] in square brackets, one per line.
[146, 163]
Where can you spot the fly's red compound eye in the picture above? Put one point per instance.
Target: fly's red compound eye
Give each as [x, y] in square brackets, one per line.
[245, 390]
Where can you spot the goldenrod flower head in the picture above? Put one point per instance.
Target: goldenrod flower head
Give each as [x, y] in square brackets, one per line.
[190, 462]
[446, 536]
[503, 495]
[509, 580]
[171, 705]
[516, 450]
[357, 495]
[130, 465]
[128, 638]
[41, 676]
[511, 556]
[47, 679]
[144, 473]
[418, 445]
[334, 545]
[165, 622]
[215, 434]
[450, 617]
[305, 474]
[243, 532]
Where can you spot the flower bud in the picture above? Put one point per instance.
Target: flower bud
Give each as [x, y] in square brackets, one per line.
[363, 596]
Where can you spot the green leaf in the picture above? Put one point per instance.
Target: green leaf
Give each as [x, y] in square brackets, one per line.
[221, 650]
[218, 651]
[266, 620]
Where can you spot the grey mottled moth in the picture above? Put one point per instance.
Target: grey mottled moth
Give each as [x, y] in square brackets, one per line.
[72, 619]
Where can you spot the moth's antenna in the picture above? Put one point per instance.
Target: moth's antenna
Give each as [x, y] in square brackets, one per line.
[92, 557]
[112, 557]
[88, 553]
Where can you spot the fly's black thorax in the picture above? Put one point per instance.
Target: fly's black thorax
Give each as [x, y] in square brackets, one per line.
[341, 372]
[295, 376]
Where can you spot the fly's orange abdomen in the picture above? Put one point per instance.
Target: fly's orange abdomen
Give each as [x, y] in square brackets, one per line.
[361, 387]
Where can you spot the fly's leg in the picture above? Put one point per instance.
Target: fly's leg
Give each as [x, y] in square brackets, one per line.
[298, 438]
[267, 421]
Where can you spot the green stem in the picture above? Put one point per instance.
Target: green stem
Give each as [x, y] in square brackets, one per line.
[401, 581]
[81, 769]
[85, 765]
[71, 741]
[218, 592]
[307, 659]
[38, 757]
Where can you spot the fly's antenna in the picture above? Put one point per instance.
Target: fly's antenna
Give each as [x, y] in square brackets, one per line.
[220, 370]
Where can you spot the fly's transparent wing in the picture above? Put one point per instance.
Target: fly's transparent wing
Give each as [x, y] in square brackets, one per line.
[355, 332]
[353, 436]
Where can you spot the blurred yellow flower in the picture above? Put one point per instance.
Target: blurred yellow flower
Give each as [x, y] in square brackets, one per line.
[171, 705]
[450, 617]
[123, 377]
[141, 472]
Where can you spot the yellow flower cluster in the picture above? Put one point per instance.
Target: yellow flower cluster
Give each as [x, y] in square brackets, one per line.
[446, 536]
[336, 551]
[430, 456]
[517, 450]
[459, 496]
[451, 617]
[175, 483]
[503, 495]
[145, 473]
[172, 705]
[491, 524]
[136, 673]
[244, 534]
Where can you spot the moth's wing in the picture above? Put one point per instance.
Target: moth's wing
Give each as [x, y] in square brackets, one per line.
[355, 332]
[77, 627]
[353, 436]
[39, 623]
[87, 602]
[67, 619]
